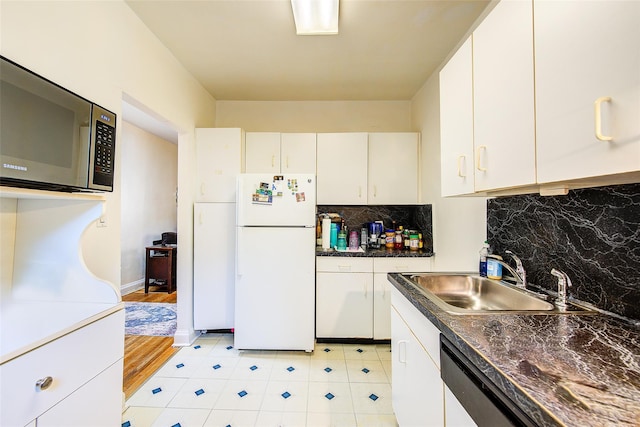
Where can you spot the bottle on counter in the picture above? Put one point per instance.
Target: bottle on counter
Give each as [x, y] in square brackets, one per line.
[342, 240]
[494, 268]
[399, 240]
[364, 238]
[354, 241]
[484, 253]
[390, 237]
[413, 240]
[334, 235]
[406, 238]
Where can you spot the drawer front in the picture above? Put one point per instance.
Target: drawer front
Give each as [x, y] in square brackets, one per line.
[71, 361]
[402, 265]
[333, 264]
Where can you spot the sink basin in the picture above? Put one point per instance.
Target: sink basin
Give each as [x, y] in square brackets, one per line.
[470, 294]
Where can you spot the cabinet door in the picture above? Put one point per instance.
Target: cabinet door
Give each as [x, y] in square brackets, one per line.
[503, 97]
[381, 307]
[97, 403]
[214, 249]
[597, 56]
[456, 123]
[342, 169]
[393, 169]
[219, 161]
[344, 305]
[298, 153]
[262, 152]
[416, 388]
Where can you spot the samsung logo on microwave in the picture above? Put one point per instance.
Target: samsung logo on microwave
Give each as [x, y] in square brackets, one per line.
[14, 167]
[105, 118]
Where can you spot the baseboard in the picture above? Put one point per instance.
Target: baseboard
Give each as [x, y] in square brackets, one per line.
[184, 337]
[132, 287]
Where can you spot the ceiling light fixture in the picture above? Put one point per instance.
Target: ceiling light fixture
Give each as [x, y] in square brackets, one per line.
[315, 17]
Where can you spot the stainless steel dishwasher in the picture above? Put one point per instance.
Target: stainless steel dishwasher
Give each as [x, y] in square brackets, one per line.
[485, 403]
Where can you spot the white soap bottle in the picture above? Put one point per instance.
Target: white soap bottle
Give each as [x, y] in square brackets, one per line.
[484, 253]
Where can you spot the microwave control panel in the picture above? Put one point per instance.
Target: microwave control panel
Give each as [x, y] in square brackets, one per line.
[103, 152]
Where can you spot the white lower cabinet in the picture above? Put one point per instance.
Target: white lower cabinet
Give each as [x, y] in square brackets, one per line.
[353, 295]
[344, 297]
[419, 396]
[416, 387]
[382, 289]
[85, 372]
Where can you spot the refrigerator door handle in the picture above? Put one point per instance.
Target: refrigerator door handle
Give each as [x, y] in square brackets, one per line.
[238, 263]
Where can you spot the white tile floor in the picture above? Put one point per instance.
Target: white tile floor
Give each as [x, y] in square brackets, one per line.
[213, 384]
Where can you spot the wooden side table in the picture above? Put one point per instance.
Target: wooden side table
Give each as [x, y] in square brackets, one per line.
[161, 267]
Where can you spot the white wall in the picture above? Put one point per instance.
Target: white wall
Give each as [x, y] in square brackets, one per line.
[315, 116]
[101, 50]
[150, 170]
[459, 223]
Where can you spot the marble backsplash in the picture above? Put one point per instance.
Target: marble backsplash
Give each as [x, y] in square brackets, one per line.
[593, 235]
[417, 217]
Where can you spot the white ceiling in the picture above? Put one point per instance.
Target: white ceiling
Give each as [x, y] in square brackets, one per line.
[249, 50]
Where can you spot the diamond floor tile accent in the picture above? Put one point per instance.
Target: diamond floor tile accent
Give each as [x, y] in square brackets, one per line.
[211, 383]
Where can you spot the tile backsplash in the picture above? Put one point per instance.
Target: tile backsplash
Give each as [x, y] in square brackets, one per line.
[417, 217]
[593, 235]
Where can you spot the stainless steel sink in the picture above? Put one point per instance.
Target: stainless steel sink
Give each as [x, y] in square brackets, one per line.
[470, 294]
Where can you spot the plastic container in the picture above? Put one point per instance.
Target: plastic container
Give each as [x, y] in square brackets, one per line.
[398, 240]
[333, 241]
[484, 253]
[354, 240]
[390, 239]
[414, 241]
[342, 241]
[494, 268]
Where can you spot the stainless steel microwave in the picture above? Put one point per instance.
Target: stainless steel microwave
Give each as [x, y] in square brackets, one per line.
[51, 138]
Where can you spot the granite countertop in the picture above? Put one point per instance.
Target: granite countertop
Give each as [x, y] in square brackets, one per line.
[377, 253]
[563, 369]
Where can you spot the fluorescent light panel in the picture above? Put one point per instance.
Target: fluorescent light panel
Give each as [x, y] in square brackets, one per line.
[315, 17]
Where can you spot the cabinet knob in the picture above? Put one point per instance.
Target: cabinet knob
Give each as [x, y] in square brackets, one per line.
[44, 383]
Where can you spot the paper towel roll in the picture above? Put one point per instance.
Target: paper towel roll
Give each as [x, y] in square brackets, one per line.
[326, 233]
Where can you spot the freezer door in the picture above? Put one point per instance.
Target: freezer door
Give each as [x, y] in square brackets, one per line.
[274, 200]
[275, 289]
[214, 251]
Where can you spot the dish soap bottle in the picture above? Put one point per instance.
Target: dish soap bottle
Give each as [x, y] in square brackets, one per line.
[484, 252]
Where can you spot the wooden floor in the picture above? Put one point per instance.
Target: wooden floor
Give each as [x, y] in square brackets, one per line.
[143, 355]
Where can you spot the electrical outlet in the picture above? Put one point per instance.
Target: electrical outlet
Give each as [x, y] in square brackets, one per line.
[102, 221]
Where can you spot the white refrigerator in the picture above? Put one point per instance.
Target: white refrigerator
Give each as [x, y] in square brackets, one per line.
[275, 262]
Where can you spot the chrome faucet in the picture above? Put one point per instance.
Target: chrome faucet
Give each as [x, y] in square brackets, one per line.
[563, 283]
[519, 268]
[519, 279]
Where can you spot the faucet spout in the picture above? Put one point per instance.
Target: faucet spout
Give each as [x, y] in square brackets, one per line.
[563, 283]
[520, 279]
[521, 273]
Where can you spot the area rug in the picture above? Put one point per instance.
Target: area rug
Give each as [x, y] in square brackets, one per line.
[153, 319]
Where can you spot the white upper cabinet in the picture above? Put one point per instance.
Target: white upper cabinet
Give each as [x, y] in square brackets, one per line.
[219, 161]
[393, 168]
[263, 152]
[587, 83]
[274, 152]
[504, 129]
[298, 153]
[342, 168]
[456, 123]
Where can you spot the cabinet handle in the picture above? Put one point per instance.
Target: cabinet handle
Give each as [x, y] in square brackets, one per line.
[375, 191]
[459, 168]
[44, 383]
[344, 268]
[202, 188]
[402, 351]
[273, 160]
[359, 191]
[479, 158]
[366, 291]
[598, 118]
[287, 162]
[200, 218]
